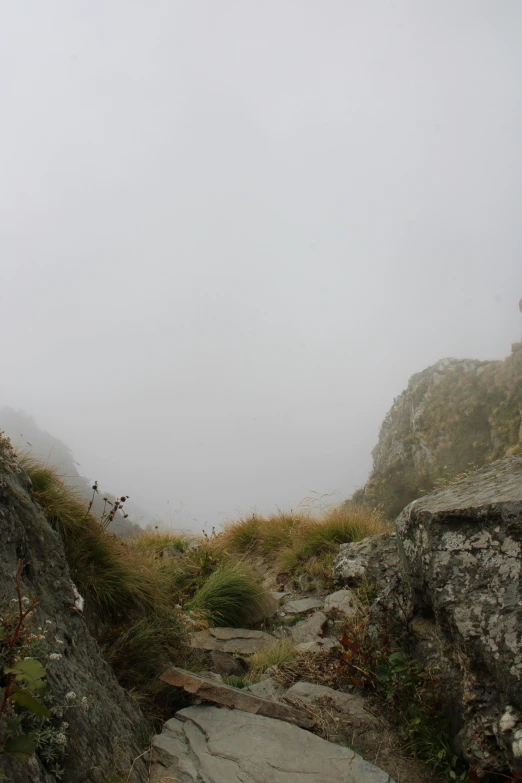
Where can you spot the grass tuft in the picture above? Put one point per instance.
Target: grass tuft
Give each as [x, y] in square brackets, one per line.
[231, 596]
[297, 537]
[280, 654]
[157, 541]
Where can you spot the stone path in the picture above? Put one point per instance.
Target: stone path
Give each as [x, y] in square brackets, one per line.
[258, 734]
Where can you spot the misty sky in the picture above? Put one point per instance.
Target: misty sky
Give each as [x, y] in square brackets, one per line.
[232, 229]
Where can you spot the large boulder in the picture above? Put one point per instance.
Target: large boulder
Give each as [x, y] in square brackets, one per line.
[449, 591]
[461, 564]
[108, 735]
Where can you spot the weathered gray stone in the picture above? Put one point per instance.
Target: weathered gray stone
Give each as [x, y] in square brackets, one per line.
[304, 692]
[374, 558]
[343, 601]
[267, 689]
[210, 690]
[232, 640]
[461, 564]
[113, 719]
[303, 605]
[226, 664]
[303, 582]
[222, 746]
[278, 596]
[308, 630]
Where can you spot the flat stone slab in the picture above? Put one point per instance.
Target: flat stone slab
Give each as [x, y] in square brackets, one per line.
[210, 690]
[222, 746]
[344, 601]
[303, 605]
[267, 689]
[232, 640]
[309, 692]
[308, 630]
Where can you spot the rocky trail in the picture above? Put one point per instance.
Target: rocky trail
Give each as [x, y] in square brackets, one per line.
[445, 600]
[275, 731]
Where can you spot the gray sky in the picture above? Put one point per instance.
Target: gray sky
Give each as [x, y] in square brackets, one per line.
[232, 230]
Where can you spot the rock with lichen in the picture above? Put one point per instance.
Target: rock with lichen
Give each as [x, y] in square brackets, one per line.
[460, 554]
[448, 590]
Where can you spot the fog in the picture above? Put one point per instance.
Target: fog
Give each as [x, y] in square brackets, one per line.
[232, 230]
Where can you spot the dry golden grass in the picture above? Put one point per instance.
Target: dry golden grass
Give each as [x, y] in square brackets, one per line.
[158, 540]
[280, 654]
[296, 537]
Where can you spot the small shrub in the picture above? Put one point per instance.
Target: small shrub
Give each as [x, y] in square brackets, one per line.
[230, 596]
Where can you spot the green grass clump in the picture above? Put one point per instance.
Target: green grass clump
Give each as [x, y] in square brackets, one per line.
[144, 649]
[236, 682]
[231, 596]
[111, 576]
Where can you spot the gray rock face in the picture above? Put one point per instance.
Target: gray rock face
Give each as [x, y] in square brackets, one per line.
[374, 558]
[222, 746]
[307, 630]
[461, 565]
[112, 732]
[343, 601]
[449, 587]
[303, 605]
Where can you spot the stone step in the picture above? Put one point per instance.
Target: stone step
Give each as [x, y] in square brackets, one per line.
[241, 641]
[221, 746]
[210, 690]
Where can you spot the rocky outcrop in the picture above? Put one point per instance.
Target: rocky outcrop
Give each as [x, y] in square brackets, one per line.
[221, 746]
[453, 593]
[454, 414]
[111, 732]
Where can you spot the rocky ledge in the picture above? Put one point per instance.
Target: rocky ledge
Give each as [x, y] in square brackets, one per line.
[450, 588]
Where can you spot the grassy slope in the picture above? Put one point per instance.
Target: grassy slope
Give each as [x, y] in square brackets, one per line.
[141, 603]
